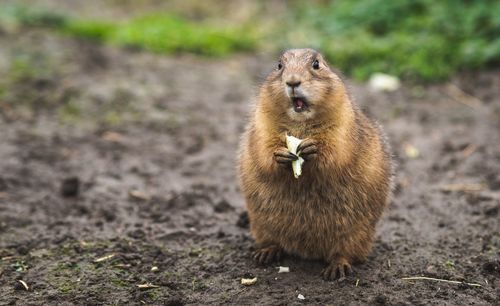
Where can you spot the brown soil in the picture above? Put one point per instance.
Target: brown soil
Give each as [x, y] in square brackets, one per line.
[129, 158]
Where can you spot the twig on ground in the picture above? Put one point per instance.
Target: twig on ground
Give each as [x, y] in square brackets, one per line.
[104, 258]
[440, 280]
[457, 94]
[123, 266]
[462, 187]
[147, 286]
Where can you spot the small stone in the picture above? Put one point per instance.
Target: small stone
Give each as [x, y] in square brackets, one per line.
[222, 206]
[70, 187]
[243, 220]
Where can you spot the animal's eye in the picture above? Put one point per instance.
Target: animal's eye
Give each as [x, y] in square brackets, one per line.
[316, 64]
[280, 65]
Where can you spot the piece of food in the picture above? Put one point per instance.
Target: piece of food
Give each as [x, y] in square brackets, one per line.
[248, 281]
[25, 286]
[283, 269]
[292, 143]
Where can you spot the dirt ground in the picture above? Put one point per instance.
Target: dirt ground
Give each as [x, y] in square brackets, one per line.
[117, 169]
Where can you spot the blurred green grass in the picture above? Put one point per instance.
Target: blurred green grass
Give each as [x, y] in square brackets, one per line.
[414, 39]
[165, 33]
[420, 40]
[160, 33]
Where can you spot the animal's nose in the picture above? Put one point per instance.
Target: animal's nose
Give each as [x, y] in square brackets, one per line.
[293, 83]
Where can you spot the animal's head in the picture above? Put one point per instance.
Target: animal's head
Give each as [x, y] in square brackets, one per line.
[302, 85]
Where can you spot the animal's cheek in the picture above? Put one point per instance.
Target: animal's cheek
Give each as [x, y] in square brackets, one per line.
[313, 91]
[275, 88]
[323, 91]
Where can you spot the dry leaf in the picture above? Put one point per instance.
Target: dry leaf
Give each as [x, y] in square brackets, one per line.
[139, 195]
[113, 137]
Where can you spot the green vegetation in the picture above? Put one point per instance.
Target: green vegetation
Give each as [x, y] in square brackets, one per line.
[421, 39]
[414, 39]
[450, 264]
[161, 33]
[164, 33]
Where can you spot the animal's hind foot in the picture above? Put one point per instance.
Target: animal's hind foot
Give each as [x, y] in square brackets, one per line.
[337, 270]
[268, 254]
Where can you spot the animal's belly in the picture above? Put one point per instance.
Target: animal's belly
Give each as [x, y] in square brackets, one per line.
[303, 224]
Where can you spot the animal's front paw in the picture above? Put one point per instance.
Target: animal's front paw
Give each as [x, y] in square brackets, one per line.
[284, 157]
[267, 254]
[336, 270]
[308, 149]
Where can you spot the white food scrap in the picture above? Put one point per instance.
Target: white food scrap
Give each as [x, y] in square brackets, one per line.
[292, 143]
[248, 281]
[384, 82]
[411, 151]
[283, 269]
[25, 286]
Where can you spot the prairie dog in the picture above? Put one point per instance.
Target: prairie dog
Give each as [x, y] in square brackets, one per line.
[331, 210]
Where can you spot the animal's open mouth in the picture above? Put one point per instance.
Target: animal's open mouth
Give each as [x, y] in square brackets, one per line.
[299, 104]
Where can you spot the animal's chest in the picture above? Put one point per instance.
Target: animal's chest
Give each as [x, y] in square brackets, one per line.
[305, 192]
[301, 206]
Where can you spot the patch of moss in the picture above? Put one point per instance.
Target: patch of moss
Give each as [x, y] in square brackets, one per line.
[27, 83]
[197, 284]
[71, 112]
[155, 294]
[64, 277]
[119, 282]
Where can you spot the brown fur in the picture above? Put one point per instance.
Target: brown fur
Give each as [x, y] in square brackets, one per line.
[331, 210]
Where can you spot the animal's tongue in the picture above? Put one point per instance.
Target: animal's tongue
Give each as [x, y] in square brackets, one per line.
[299, 103]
